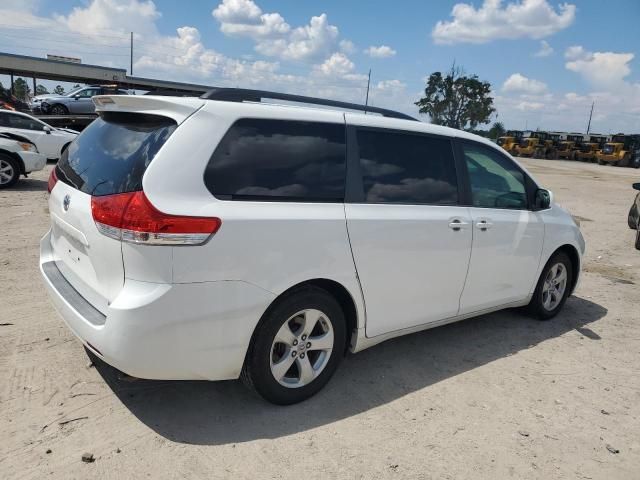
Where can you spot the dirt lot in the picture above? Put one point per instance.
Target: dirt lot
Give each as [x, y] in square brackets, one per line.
[501, 396]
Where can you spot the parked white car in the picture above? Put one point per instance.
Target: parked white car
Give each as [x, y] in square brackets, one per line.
[214, 238]
[51, 142]
[18, 156]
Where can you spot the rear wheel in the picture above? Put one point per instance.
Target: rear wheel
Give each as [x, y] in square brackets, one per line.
[553, 287]
[297, 347]
[9, 171]
[58, 109]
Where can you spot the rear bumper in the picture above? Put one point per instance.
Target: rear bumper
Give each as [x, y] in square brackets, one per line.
[196, 331]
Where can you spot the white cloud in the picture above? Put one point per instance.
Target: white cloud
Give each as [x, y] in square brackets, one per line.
[347, 46]
[113, 15]
[383, 51]
[336, 65]
[518, 83]
[492, 21]
[545, 49]
[245, 18]
[600, 69]
[274, 37]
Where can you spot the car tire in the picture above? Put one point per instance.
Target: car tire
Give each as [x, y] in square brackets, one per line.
[9, 171]
[58, 109]
[553, 287]
[283, 363]
[638, 238]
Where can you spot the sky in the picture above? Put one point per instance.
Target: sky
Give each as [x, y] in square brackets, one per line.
[546, 61]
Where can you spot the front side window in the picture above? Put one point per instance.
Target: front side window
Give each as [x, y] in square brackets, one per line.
[88, 93]
[279, 160]
[496, 182]
[25, 123]
[407, 168]
[5, 121]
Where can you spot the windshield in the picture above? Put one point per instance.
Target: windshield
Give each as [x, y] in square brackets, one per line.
[608, 149]
[501, 141]
[524, 142]
[111, 155]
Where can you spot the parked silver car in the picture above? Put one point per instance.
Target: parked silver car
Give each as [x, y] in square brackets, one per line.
[77, 101]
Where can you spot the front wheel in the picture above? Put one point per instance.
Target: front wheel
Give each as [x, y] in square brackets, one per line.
[59, 110]
[9, 171]
[553, 287]
[297, 347]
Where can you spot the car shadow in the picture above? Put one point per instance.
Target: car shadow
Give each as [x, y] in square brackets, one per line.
[30, 185]
[212, 413]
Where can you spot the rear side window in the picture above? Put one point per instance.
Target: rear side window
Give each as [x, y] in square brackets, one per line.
[407, 168]
[111, 155]
[279, 160]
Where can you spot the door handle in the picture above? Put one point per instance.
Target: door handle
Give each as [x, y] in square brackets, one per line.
[457, 224]
[484, 225]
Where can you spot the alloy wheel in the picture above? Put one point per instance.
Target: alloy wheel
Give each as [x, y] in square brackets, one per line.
[6, 172]
[554, 286]
[302, 348]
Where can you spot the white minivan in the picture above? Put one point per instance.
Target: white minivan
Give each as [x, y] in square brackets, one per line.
[223, 236]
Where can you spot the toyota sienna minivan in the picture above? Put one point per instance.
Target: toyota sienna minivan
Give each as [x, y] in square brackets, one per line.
[224, 236]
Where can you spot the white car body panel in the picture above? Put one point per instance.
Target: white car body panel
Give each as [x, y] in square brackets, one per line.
[412, 265]
[403, 266]
[32, 161]
[49, 144]
[504, 258]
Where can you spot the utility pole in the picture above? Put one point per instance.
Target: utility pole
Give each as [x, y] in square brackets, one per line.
[131, 56]
[366, 101]
[590, 115]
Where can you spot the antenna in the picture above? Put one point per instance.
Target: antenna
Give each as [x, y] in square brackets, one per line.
[366, 101]
[131, 56]
[590, 115]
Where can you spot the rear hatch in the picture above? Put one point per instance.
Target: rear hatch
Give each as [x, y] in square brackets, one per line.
[108, 158]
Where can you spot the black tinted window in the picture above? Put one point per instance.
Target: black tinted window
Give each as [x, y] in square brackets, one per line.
[407, 168]
[279, 160]
[111, 155]
[4, 119]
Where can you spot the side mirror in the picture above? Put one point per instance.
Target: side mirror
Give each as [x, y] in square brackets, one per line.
[76, 97]
[47, 129]
[636, 186]
[542, 199]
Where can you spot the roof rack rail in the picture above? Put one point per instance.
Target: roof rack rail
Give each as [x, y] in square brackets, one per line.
[248, 95]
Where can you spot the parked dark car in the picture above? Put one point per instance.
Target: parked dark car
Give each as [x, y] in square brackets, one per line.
[634, 215]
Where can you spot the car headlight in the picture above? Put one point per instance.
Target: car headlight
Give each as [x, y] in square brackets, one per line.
[28, 147]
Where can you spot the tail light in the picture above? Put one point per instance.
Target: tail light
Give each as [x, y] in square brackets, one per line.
[53, 179]
[130, 217]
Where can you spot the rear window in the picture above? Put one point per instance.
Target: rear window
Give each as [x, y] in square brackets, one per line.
[111, 155]
[279, 160]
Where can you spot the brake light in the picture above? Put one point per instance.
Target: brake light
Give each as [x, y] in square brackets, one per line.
[130, 217]
[53, 179]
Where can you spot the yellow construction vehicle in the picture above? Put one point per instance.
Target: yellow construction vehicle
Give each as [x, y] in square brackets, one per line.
[619, 150]
[527, 145]
[568, 148]
[537, 145]
[510, 140]
[590, 147]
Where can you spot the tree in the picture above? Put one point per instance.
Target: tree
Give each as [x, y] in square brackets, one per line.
[58, 90]
[497, 130]
[457, 100]
[41, 90]
[21, 89]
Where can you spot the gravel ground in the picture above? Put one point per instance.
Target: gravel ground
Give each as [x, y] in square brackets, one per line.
[500, 396]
